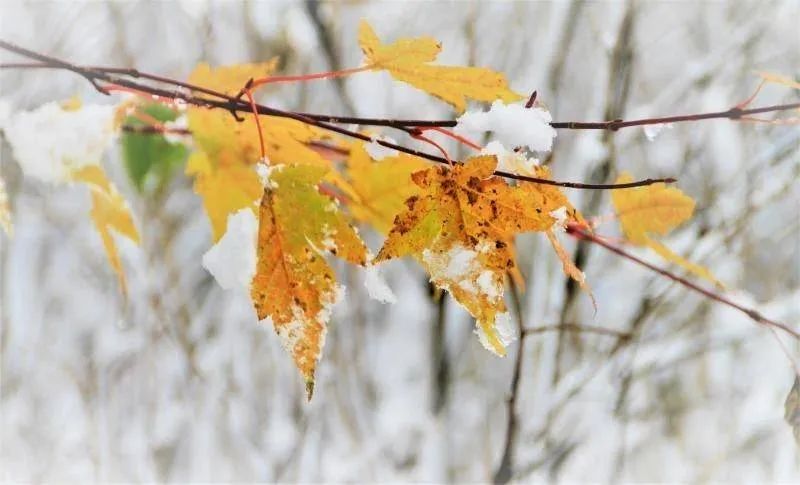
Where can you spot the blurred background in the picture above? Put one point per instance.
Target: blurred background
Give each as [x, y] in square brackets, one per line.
[180, 383]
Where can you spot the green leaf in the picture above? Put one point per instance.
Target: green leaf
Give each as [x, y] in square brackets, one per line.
[150, 156]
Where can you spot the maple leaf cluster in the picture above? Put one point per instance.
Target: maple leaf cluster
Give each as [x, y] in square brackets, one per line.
[305, 191]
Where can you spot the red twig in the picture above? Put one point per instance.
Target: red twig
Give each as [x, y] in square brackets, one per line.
[308, 77]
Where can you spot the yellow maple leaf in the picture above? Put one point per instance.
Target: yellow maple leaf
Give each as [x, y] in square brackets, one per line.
[655, 210]
[225, 189]
[228, 150]
[550, 199]
[408, 60]
[294, 286]
[109, 211]
[460, 228]
[778, 79]
[230, 79]
[379, 188]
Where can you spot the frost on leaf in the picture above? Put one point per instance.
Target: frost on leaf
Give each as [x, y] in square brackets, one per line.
[294, 287]
[513, 125]
[109, 211]
[379, 189]
[408, 60]
[655, 210]
[461, 228]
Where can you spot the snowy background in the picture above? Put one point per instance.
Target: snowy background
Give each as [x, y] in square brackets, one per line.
[180, 383]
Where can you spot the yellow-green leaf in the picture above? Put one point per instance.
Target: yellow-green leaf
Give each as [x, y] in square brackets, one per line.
[294, 287]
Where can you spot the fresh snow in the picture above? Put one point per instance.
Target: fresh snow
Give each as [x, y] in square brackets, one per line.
[50, 142]
[513, 125]
[560, 215]
[232, 260]
[503, 327]
[509, 160]
[652, 131]
[377, 287]
[377, 151]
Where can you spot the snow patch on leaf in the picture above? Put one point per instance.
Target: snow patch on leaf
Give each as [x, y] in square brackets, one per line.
[264, 171]
[504, 329]
[509, 160]
[512, 125]
[232, 260]
[51, 142]
[560, 215]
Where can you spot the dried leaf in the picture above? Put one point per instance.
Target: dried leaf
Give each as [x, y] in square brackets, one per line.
[407, 60]
[460, 228]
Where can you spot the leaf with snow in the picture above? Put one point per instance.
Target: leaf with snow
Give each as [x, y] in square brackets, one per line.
[461, 228]
[655, 210]
[109, 211]
[509, 160]
[53, 141]
[294, 287]
[232, 260]
[513, 125]
[408, 60]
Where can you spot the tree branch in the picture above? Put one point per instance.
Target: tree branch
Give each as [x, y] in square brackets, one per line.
[753, 314]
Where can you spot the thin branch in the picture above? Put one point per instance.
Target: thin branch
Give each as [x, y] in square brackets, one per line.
[574, 327]
[735, 113]
[753, 314]
[235, 105]
[505, 470]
